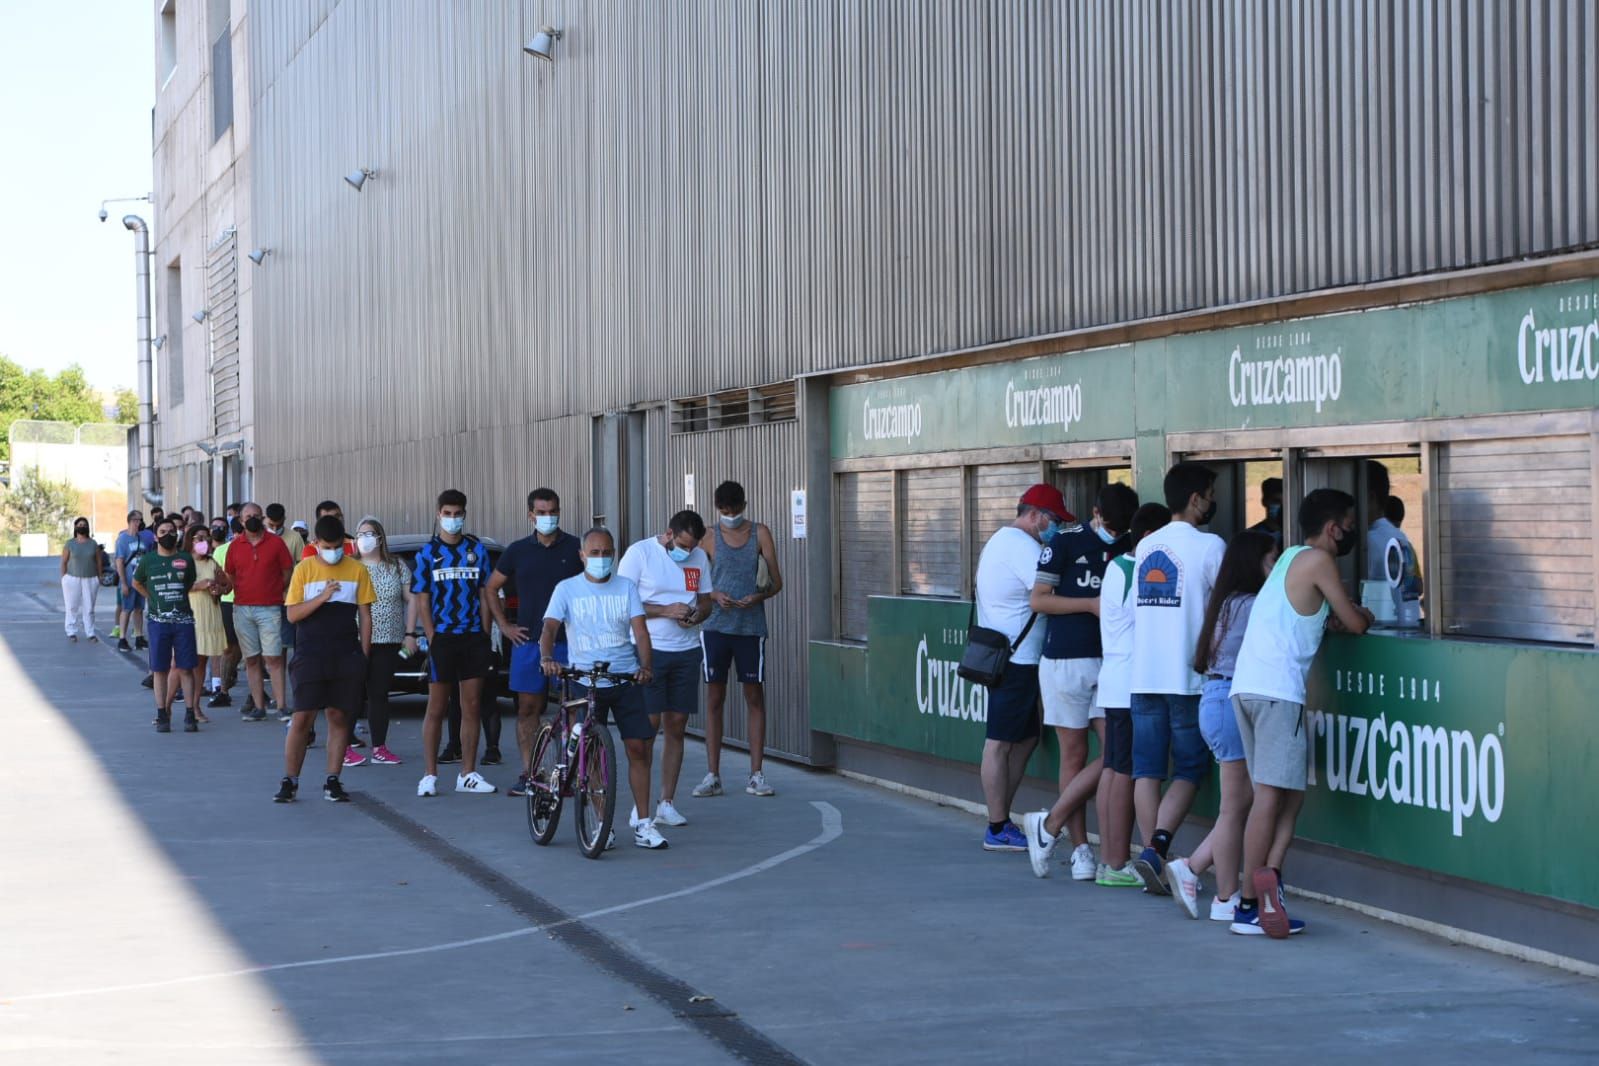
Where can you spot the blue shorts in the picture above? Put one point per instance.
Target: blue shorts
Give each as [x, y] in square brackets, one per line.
[675, 686]
[130, 600]
[171, 646]
[1013, 712]
[526, 674]
[722, 650]
[1166, 736]
[622, 704]
[1217, 722]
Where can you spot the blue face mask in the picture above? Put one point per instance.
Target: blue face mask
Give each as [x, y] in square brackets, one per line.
[731, 521]
[1274, 511]
[678, 554]
[1106, 535]
[599, 567]
[453, 524]
[547, 523]
[1050, 530]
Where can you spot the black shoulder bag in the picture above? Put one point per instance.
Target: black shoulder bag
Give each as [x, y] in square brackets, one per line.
[988, 652]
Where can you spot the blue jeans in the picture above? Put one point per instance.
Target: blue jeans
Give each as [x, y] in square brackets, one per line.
[1166, 733]
[1217, 722]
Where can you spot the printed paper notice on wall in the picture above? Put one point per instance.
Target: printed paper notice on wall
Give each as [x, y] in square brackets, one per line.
[688, 490]
[796, 506]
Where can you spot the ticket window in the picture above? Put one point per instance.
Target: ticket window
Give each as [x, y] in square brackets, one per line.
[1242, 494]
[1401, 507]
[1080, 485]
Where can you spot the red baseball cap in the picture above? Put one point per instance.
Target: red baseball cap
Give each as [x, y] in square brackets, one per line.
[1048, 498]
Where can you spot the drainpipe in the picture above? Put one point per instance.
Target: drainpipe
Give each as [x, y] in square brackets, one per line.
[141, 255]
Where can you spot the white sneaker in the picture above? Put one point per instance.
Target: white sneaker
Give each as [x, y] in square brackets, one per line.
[473, 782]
[645, 835]
[428, 786]
[758, 785]
[610, 841]
[667, 813]
[1040, 843]
[633, 820]
[711, 786]
[1084, 866]
[1221, 910]
[1184, 886]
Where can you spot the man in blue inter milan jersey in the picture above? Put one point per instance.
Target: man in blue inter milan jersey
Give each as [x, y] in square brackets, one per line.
[450, 582]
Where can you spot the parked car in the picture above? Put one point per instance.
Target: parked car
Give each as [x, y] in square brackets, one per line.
[412, 677]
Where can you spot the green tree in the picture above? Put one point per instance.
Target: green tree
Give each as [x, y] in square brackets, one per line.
[127, 406]
[38, 505]
[63, 397]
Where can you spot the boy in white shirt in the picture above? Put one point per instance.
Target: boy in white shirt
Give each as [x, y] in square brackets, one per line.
[1175, 571]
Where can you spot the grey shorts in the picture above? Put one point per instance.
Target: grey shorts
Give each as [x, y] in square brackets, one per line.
[1275, 745]
[675, 685]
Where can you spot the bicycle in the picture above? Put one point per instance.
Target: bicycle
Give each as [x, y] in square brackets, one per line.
[576, 761]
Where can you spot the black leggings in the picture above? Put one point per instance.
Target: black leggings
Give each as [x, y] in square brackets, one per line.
[380, 668]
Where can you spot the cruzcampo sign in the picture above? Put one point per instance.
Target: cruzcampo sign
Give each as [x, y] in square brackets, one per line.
[1528, 349]
[1465, 758]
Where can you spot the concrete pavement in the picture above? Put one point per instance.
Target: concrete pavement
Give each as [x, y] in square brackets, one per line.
[158, 907]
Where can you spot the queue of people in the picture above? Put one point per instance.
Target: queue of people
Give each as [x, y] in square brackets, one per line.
[1179, 651]
[323, 621]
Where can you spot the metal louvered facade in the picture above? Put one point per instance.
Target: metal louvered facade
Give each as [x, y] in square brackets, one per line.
[222, 299]
[698, 201]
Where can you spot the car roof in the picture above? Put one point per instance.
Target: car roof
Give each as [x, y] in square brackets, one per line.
[410, 542]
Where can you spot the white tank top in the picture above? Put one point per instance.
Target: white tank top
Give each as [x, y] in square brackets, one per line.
[1280, 642]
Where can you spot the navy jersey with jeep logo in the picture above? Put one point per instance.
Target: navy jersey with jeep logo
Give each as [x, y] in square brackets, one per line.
[451, 575]
[1073, 564]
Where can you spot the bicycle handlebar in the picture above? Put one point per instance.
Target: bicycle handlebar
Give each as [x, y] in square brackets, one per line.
[599, 672]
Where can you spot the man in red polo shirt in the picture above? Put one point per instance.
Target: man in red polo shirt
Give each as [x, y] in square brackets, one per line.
[260, 566]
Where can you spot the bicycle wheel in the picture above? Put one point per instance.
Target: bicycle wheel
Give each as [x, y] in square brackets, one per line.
[596, 789]
[544, 787]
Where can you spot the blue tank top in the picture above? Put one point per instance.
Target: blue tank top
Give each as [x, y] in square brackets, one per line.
[733, 572]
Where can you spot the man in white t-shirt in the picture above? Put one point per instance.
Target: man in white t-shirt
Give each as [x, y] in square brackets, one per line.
[1174, 572]
[1382, 530]
[673, 575]
[1005, 573]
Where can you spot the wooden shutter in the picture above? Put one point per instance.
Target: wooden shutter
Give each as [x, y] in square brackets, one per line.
[929, 532]
[865, 507]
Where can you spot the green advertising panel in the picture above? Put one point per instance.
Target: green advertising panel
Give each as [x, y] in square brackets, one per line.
[1085, 396]
[1465, 758]
[1528, 349]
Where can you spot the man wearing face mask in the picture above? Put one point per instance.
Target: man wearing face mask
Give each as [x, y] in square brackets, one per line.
[673, 576]
[1271, 498]
[735, 635]
[450, 582]
[1006, 572]
[229, 667]
[1175, 570]
[276, 518]
[532, 567]
[1286, 625]
[131, 543]
[164, 577]
[600, 611]
[259, 566]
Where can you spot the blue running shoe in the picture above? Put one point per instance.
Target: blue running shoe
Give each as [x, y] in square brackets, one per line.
[1151, 869]
[1007, 839]
[1247, 923]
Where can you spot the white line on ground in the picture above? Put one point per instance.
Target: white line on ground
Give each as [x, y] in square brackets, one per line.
[832, 829]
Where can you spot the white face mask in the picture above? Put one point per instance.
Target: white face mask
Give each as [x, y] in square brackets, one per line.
[331, 556]
[368, 543]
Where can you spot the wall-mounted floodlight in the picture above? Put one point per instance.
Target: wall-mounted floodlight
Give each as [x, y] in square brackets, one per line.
[160, 342]
[357, 178]
[202, 314]
[258, 254]
[543, 43]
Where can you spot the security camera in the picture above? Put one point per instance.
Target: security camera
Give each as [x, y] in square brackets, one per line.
[104, 214]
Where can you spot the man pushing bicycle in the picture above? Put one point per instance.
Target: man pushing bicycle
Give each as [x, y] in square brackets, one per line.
[599, 611]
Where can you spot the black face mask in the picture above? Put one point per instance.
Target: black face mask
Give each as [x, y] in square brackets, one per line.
[253, 524]
[219, 532]
[1346, 543]
[1210, 512]
[80, 531]
[168, 541]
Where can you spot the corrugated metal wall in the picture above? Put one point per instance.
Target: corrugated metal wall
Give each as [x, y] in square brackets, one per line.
[700, 195]
[766, 460]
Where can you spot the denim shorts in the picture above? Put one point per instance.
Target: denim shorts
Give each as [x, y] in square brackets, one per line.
[1166, 736]
[1217, 723]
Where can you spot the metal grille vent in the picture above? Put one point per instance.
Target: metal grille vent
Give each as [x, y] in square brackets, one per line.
[735, 407]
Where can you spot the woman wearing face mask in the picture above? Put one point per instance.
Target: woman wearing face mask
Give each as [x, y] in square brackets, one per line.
[205, 596]
[80, 581]
[392, 625]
